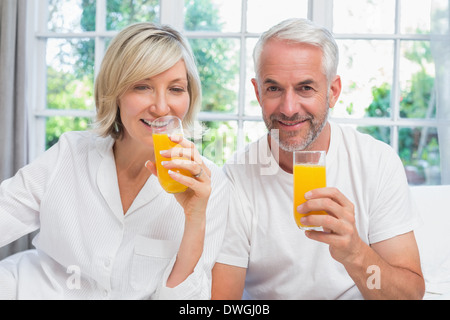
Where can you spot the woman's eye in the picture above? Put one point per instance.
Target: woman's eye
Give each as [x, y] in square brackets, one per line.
[141, 88]
[178, 90]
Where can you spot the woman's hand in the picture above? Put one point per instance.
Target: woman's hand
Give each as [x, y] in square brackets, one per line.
[185, 156]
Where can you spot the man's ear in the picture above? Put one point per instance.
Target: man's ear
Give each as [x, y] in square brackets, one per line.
[256, 88]
[335, 91]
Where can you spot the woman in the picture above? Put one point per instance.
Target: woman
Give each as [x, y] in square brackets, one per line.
[107, 228]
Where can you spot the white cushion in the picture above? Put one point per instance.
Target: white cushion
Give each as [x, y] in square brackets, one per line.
[433, 236]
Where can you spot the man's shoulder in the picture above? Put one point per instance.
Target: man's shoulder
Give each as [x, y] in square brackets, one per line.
[352, 138]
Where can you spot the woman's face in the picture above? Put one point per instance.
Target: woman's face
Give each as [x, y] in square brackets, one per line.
[151, 98]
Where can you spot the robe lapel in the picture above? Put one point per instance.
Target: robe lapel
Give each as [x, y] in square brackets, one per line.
[107, 182]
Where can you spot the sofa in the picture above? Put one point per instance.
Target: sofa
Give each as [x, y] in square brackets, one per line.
[433, 238]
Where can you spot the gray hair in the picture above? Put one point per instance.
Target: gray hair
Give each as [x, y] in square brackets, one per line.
[302, 31]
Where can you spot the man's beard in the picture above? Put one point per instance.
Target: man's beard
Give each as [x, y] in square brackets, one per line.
[297, 143]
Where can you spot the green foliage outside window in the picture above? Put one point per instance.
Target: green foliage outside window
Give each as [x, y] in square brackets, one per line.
[218, 63]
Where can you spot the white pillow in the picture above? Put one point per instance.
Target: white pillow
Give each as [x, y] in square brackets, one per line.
[433, 236]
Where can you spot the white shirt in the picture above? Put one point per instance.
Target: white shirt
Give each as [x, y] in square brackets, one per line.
[281, 262]
[87, 248]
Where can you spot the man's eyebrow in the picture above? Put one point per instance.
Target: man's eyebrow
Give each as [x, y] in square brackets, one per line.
[306, 82]
[270, 81]
[301, 83]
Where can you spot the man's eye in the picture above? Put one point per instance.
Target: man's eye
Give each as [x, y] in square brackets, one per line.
[307, 90]
[272, 89]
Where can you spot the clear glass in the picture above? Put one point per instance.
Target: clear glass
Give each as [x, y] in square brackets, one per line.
[213, 15]
[366, 70]
[309, 174]
[120, 14]
[219, 140]
[417, 75]
[364, 16]
[415, 16]
[419, 151]
[56, 126]
[70, 74]
[263, 14]
[218, 65]
[71, 15]
[162, 129]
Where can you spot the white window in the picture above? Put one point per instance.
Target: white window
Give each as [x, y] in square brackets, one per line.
[385, 65]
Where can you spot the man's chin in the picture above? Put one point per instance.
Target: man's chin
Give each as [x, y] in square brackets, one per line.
[290, 144]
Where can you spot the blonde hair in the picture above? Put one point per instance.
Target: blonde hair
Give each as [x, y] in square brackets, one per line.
[138, 52]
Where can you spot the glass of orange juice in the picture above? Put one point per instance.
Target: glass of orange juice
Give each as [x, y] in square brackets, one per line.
[309, 174]
[162, 129]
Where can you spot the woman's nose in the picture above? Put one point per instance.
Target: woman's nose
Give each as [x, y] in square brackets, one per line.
[159, 105]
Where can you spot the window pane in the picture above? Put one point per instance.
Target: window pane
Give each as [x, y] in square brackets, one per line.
[218, 142]
[56, 126]
[120, 14]
[251, 103]
[70, 74]
[71, 15]
[381, 133]
[213, 15]
[365, 68]
[417, 80]
[218, 64]
[419, 151]
[415, 16]
[263, 14]
[363, 16]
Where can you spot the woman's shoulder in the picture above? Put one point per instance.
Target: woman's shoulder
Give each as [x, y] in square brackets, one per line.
[84, 141]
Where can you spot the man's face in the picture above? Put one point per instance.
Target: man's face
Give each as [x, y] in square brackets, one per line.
[293, 93]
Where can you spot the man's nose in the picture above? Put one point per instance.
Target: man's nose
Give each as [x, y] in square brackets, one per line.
[289, 103]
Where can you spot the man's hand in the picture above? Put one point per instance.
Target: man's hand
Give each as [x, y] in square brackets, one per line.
[396, 258]
[339, 225]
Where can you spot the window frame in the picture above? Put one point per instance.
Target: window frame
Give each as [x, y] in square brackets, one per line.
[171, 12]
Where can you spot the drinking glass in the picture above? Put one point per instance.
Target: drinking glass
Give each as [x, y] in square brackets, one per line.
[162, 129]
[309, 174]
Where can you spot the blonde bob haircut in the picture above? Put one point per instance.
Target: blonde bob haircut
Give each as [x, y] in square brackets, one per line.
[138, 52]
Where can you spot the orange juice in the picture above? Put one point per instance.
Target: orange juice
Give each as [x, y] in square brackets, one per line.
[162, 142]
[307, 177]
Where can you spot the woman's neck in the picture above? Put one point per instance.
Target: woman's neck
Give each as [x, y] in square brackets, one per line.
[130, 158]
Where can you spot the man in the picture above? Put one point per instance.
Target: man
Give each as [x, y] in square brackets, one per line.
[369, 250]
